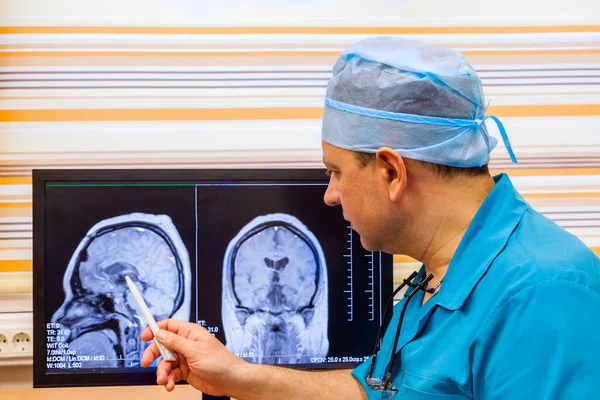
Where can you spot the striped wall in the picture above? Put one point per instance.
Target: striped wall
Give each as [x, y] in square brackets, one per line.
[167, 84]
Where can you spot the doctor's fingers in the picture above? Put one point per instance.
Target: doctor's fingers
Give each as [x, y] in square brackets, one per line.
[150, 354]
[174, 376]
[147, 335]
[163, 370]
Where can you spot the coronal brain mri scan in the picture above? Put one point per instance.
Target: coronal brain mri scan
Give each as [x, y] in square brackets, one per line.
[99, 312]
[274, 298]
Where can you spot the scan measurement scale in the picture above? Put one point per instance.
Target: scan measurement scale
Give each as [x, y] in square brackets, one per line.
[371, 290]
[364, 279]
[349, 287]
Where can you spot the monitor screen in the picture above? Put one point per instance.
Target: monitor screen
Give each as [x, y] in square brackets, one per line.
[254, 256]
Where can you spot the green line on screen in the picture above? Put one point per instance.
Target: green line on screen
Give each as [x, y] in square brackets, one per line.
[119, 184]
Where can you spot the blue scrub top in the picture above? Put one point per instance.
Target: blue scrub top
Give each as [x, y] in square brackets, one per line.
[516, 317]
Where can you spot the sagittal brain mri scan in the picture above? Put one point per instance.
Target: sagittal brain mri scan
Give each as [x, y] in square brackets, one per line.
[99, 312]
[274, 306]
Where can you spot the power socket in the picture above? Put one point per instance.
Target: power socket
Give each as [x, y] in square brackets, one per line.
[5, 347]
[22, 343]
[16, 338]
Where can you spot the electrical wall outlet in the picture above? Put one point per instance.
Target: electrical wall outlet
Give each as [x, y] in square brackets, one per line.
[22, 343]
[16, 338]
[5, 347]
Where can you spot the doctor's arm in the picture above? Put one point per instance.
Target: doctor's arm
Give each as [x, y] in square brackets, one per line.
[541, 343]
[205, 363]
[273, 383]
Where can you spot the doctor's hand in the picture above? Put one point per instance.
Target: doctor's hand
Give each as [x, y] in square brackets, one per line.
[202, 360]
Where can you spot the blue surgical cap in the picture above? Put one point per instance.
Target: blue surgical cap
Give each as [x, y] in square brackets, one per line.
[423, 101]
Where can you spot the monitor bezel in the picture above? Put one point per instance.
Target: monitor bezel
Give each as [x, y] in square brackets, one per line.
[40, 177]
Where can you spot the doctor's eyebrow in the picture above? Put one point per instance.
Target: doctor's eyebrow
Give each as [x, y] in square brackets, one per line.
[328, 163]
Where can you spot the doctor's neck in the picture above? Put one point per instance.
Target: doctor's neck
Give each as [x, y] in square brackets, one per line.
[436, 213]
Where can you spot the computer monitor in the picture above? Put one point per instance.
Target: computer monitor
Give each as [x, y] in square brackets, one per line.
[254, 256]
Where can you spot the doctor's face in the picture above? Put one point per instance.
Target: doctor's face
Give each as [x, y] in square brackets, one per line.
[360, 194]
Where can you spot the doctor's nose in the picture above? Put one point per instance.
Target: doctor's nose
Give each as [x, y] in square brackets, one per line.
[332, 196]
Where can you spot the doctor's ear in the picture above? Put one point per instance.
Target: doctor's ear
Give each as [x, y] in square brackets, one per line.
[392, 169]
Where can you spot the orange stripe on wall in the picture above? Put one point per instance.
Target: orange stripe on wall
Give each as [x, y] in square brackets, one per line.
[15, 204]
[294, 30]
[218, 114]
[16, 265]
[223, 114]
[15, 180]
[545, 110]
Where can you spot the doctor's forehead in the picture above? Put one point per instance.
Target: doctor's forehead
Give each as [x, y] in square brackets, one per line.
[334, 155]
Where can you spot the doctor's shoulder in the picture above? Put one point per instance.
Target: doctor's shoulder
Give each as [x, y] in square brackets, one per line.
[553, 253]
[539, 336]
[539, 253]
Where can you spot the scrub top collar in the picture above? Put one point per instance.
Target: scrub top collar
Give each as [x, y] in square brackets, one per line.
[484, 239]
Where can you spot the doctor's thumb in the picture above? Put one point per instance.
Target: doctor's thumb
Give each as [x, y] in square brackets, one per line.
[175, 342]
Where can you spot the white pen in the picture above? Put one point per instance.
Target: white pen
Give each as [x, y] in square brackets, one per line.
[166, 353]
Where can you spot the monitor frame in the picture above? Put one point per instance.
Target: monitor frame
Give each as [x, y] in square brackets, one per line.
[40, 177]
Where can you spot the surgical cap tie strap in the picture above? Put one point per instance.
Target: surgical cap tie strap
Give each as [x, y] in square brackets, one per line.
[504, 136]
[420, 119]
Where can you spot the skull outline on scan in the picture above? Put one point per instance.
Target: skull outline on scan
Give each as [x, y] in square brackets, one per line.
[99, 311]
[275, 292]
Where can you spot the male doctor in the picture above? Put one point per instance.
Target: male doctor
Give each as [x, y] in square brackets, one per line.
[506, 304]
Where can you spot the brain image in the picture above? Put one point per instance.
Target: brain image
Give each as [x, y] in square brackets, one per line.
[99, 311]
[274, 307]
